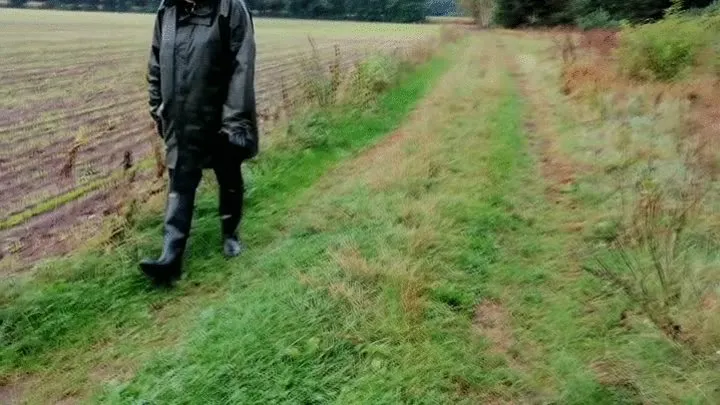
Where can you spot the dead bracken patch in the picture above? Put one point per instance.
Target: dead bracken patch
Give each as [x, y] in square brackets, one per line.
[586, 76]
[602, 41]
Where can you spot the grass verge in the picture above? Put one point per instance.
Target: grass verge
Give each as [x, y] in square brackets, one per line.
[443, 265]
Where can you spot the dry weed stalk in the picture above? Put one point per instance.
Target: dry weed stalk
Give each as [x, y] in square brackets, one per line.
[69, 164]
[336, 70]
[127, 160]
[316, 84]
[285, 94]
[158, 158]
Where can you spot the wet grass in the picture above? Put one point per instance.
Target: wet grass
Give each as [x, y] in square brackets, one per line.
[442, 265]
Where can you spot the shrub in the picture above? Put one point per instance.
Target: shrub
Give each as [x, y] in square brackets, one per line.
[596, 19]
[666, 49]
[373, 76]
[713, 9]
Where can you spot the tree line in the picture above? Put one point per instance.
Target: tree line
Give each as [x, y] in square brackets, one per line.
[360, 10]
[507, 13]
[585, 13]
[406, 11]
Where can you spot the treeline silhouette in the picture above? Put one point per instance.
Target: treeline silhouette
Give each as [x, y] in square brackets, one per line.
[360, 10]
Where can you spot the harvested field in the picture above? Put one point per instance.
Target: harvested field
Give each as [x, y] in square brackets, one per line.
[73, 105]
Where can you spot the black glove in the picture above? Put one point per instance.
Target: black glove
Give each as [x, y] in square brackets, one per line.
[237, 142]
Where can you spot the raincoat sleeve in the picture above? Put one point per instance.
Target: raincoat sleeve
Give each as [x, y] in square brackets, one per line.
[239, 115]
[153, 74]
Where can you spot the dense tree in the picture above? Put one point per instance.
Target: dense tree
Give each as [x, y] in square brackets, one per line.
[440, 7]
[368, 10]
[509, 13]
[514, 13]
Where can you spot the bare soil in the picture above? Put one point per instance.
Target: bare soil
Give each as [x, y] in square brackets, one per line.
[36, 144]
[492, 321]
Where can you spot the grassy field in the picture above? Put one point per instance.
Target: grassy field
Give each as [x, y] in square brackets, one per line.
[73, 105]
[443, 244]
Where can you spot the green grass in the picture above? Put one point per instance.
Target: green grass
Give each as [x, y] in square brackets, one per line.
[385, 273]
[375, 291]
[430, 269]
[83, 300]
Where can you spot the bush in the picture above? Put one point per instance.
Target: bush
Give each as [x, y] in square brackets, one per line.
[596, 19]
[666, 49]
[713, 9]
[373, 76]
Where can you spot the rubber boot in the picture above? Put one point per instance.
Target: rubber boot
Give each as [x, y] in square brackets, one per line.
[178, 217]
[231, 205]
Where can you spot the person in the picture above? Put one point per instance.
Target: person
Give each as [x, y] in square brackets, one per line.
[201, 76]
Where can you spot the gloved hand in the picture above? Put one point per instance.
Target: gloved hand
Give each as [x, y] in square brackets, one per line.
[237, 142]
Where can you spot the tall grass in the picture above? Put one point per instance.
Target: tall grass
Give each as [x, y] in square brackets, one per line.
[608, 156]
[658, 186]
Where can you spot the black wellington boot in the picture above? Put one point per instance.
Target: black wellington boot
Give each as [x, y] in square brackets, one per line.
[178, 218]
[232, 246]
[231, 205]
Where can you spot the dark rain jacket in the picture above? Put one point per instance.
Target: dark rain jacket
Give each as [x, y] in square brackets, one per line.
[201, 76]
